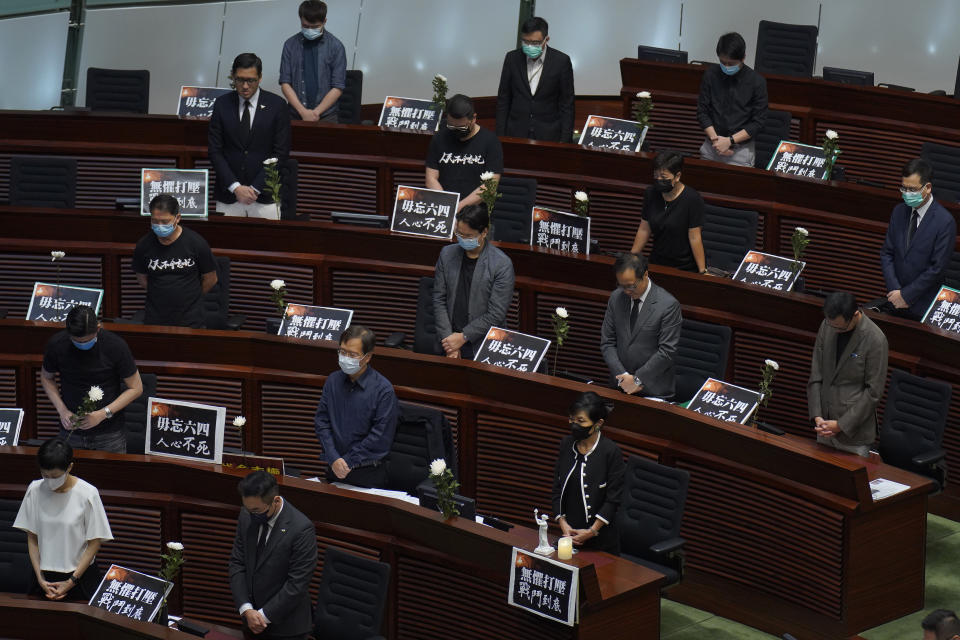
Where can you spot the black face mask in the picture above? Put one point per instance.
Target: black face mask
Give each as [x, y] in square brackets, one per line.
[663, 185]
[579, 432]
[260, 518]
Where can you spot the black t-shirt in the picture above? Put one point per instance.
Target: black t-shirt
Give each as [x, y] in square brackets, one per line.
[670, 223]
[173, 277]
[460, 162]
[461, 305]
[105, 365]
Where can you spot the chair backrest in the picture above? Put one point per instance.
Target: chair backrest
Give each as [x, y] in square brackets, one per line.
[913, 418]
[656, 54]
[118, 90]
[786, 49]
[727, 235]
[651, 509]
[349, 106]
[351, 598]
[289, 176]
[511, 215]
[946, 165]
[848, 76]
[425, 338]
[216, 302]
[43, 181]
[135, 415]
[776, 127]
[701, 353]
[951, 276]
[423, 435]
[15, 568]
[956, 84]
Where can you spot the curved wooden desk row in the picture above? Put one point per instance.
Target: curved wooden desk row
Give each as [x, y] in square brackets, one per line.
[443, 573]
[776, 522]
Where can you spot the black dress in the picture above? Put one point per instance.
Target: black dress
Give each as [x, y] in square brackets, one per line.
[670, 223]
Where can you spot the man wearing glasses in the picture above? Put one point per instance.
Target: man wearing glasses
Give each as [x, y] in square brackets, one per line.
[536, 94]
[357, 415]
[248, 126]
[640, 332]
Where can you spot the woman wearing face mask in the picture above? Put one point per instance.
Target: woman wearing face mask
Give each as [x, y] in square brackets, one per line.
[65, 524]
[588, 479]
[673, 213]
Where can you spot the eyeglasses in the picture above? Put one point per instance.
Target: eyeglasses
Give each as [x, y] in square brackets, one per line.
[532, 43]
[246, 80]
[459, 129]
[912, 189]
[463, 237]
[349, 354]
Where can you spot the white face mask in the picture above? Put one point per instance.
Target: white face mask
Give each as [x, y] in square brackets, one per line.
[349, 365]
[55, 483]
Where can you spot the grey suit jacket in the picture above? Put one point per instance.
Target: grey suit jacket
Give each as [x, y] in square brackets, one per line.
[490, 292]
[647, 348]
[850, 390]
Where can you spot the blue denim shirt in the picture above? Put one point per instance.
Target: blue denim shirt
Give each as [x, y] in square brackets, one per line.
[332, 68]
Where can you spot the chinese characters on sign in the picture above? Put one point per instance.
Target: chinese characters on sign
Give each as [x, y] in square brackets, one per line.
[614, 134]
[410, 114]
[10, 421]
[314, 323]
[767, 270]
[558, 230]
[424, 212]
[130, 593]
[185, 430]
[800, 160]
[542, 586]
[196, 103]
[512, 350]
[944, 311]
[188, 186]
[724, 401]
[51, 303]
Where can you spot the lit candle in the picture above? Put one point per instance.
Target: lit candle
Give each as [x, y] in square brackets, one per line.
[565, 548]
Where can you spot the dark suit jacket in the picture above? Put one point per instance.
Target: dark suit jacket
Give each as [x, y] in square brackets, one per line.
[548, 115]
[917, 270]
[238, 158]
[278, 581]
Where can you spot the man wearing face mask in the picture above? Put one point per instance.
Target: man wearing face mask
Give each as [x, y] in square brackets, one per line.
[313, 67]
[848, 372]
[732, 105]
[85, 356]
[176, 267]
[536, 95]
[357, 415]
[461, 152]
[920, 239]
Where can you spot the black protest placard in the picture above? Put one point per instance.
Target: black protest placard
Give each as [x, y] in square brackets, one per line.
[52, 302]
[724, 401]
[944, 311]
[185, 430]
[559, 230]
[800, 160]
[424, 212]
[512, 350]
[188, 186]
[314, 323]
[542, 586]
[410, 114]
[10, 422]
[130, 593]
[769, 271]
[196, 103]
[614, 134]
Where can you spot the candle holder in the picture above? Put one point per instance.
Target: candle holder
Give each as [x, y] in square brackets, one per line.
[565, 548]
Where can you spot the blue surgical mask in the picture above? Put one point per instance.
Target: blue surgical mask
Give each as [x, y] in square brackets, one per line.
[532, 50]
[84, 346]
[468, 244]
[913, 199]
[349, 365]
[311, 34]
[731, 70]
[163, 230]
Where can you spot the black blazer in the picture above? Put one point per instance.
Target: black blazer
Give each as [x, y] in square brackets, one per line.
[548, 115]
[278, 581]
[237, 158]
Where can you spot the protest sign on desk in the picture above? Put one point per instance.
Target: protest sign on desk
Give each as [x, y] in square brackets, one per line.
[188, 186]
[424, 212]
[560, 230]
[769, 271]
[196, 103]
[724, 401]
[310, 322]
[944, 311]
[614, 134]
[185, 430]
[800, 160]
[130, 593]
[545, 587]
[52, 302]
[410, 114]
[10, 422]
[512, 350]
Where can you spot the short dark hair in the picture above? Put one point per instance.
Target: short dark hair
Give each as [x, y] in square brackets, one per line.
[245, 61]
[534, 24]
[81, 321]
[948, 629]
[313, 11]
[460, 106]
[671, 161]
[935, 617]
[475, 215]
[920, 167]
[732, 45]
[840, 303]
[367, 336]
[165, 203]
[259, 484]
[591, 404]
[55, 454]
[636, 261]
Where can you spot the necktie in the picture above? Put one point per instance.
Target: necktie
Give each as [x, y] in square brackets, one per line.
[634, 311]
[245, 119]
[262, 538]
[914, 223]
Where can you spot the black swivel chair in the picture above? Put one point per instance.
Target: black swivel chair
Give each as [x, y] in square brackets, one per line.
[656, 54]
[135, 415]
[15, 568]
[848, 76]
[914, 418]
[423, 435]
[776, 127]
[349, 107]
[351, 599]
[118, 90]
[701, 353]
[786, 49]
[512, 213]
[290, 177]
[43, 181]
[216, 302]
[727, 236]
[946, 169]
[425, 338]
[651, 511]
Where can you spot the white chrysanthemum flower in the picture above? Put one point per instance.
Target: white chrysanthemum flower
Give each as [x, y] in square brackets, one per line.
[239, 421]
[56, 255]
[175, 546]
[772, 364]
[802, 231]
[832, 135]
[270, 161]
[562, 312]
[486, 175]
[95, 394]
[441, 77]
[276, 285]
[438, 466]
[581, 196]
[644, 95]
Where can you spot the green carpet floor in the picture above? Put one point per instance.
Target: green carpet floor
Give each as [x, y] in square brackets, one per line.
[680, 622]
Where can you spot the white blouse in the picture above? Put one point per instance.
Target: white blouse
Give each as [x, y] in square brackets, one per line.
[63, 523]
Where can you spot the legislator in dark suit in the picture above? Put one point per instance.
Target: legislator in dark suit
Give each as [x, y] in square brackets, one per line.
[544, 114]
